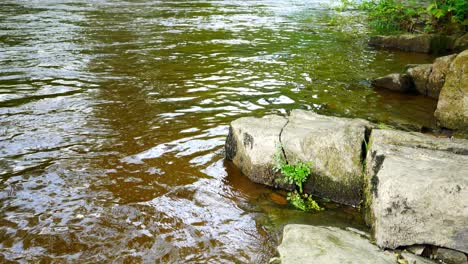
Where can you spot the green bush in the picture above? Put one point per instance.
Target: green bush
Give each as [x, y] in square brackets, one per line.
[446, 14]
[391, 16]
[387, 16]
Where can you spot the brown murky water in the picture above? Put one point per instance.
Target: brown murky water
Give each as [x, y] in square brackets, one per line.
[113, 116]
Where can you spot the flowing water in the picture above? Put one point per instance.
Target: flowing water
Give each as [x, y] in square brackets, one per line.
[113, 116]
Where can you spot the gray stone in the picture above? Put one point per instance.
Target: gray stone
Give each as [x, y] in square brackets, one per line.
[409, 66]
[334, 147]
[420, 76]
[359, 232]
[452, 108]
[304, 244]
[407, 42]
[417, 190]
[428, 79]
[395, 82]
[413, 259]
[418, 141]
[422, 43]
[449, 256]
[252, 144]
[416, 249]
[436, 79]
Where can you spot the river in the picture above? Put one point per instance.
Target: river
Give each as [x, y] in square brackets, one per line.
[113, 116]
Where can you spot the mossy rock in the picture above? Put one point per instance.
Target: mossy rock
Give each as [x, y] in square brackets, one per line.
[452, 108]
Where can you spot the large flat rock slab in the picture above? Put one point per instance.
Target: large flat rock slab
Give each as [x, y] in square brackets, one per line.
[252, 144]
[417, 190]
[304, 244]
[334, 147]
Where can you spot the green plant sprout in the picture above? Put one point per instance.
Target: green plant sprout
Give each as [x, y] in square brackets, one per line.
[296, 174]
[303, 202]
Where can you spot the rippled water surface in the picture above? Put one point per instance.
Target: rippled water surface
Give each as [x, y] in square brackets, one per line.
[113, 116]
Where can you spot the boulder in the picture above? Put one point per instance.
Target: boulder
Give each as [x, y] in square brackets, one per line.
[461, 43]
[442, 44]
[409, 66]
[422, 43]
[416, 249]
[334, 146]
[328, 245]
[252, 144]
[407, 42]
[452, 108]
[420, 76]
[428, 79]
[395, 82]
[416, 190]
[436, 79]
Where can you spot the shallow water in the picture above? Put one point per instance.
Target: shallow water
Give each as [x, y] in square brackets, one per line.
[113, 116]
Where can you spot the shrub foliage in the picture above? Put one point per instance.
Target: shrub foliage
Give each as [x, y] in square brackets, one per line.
[386, 16]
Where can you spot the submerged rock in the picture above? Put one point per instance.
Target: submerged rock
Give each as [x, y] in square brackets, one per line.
[334, 148]
[328, 245]
[452, 108]
[395, 82]
[416, 190]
